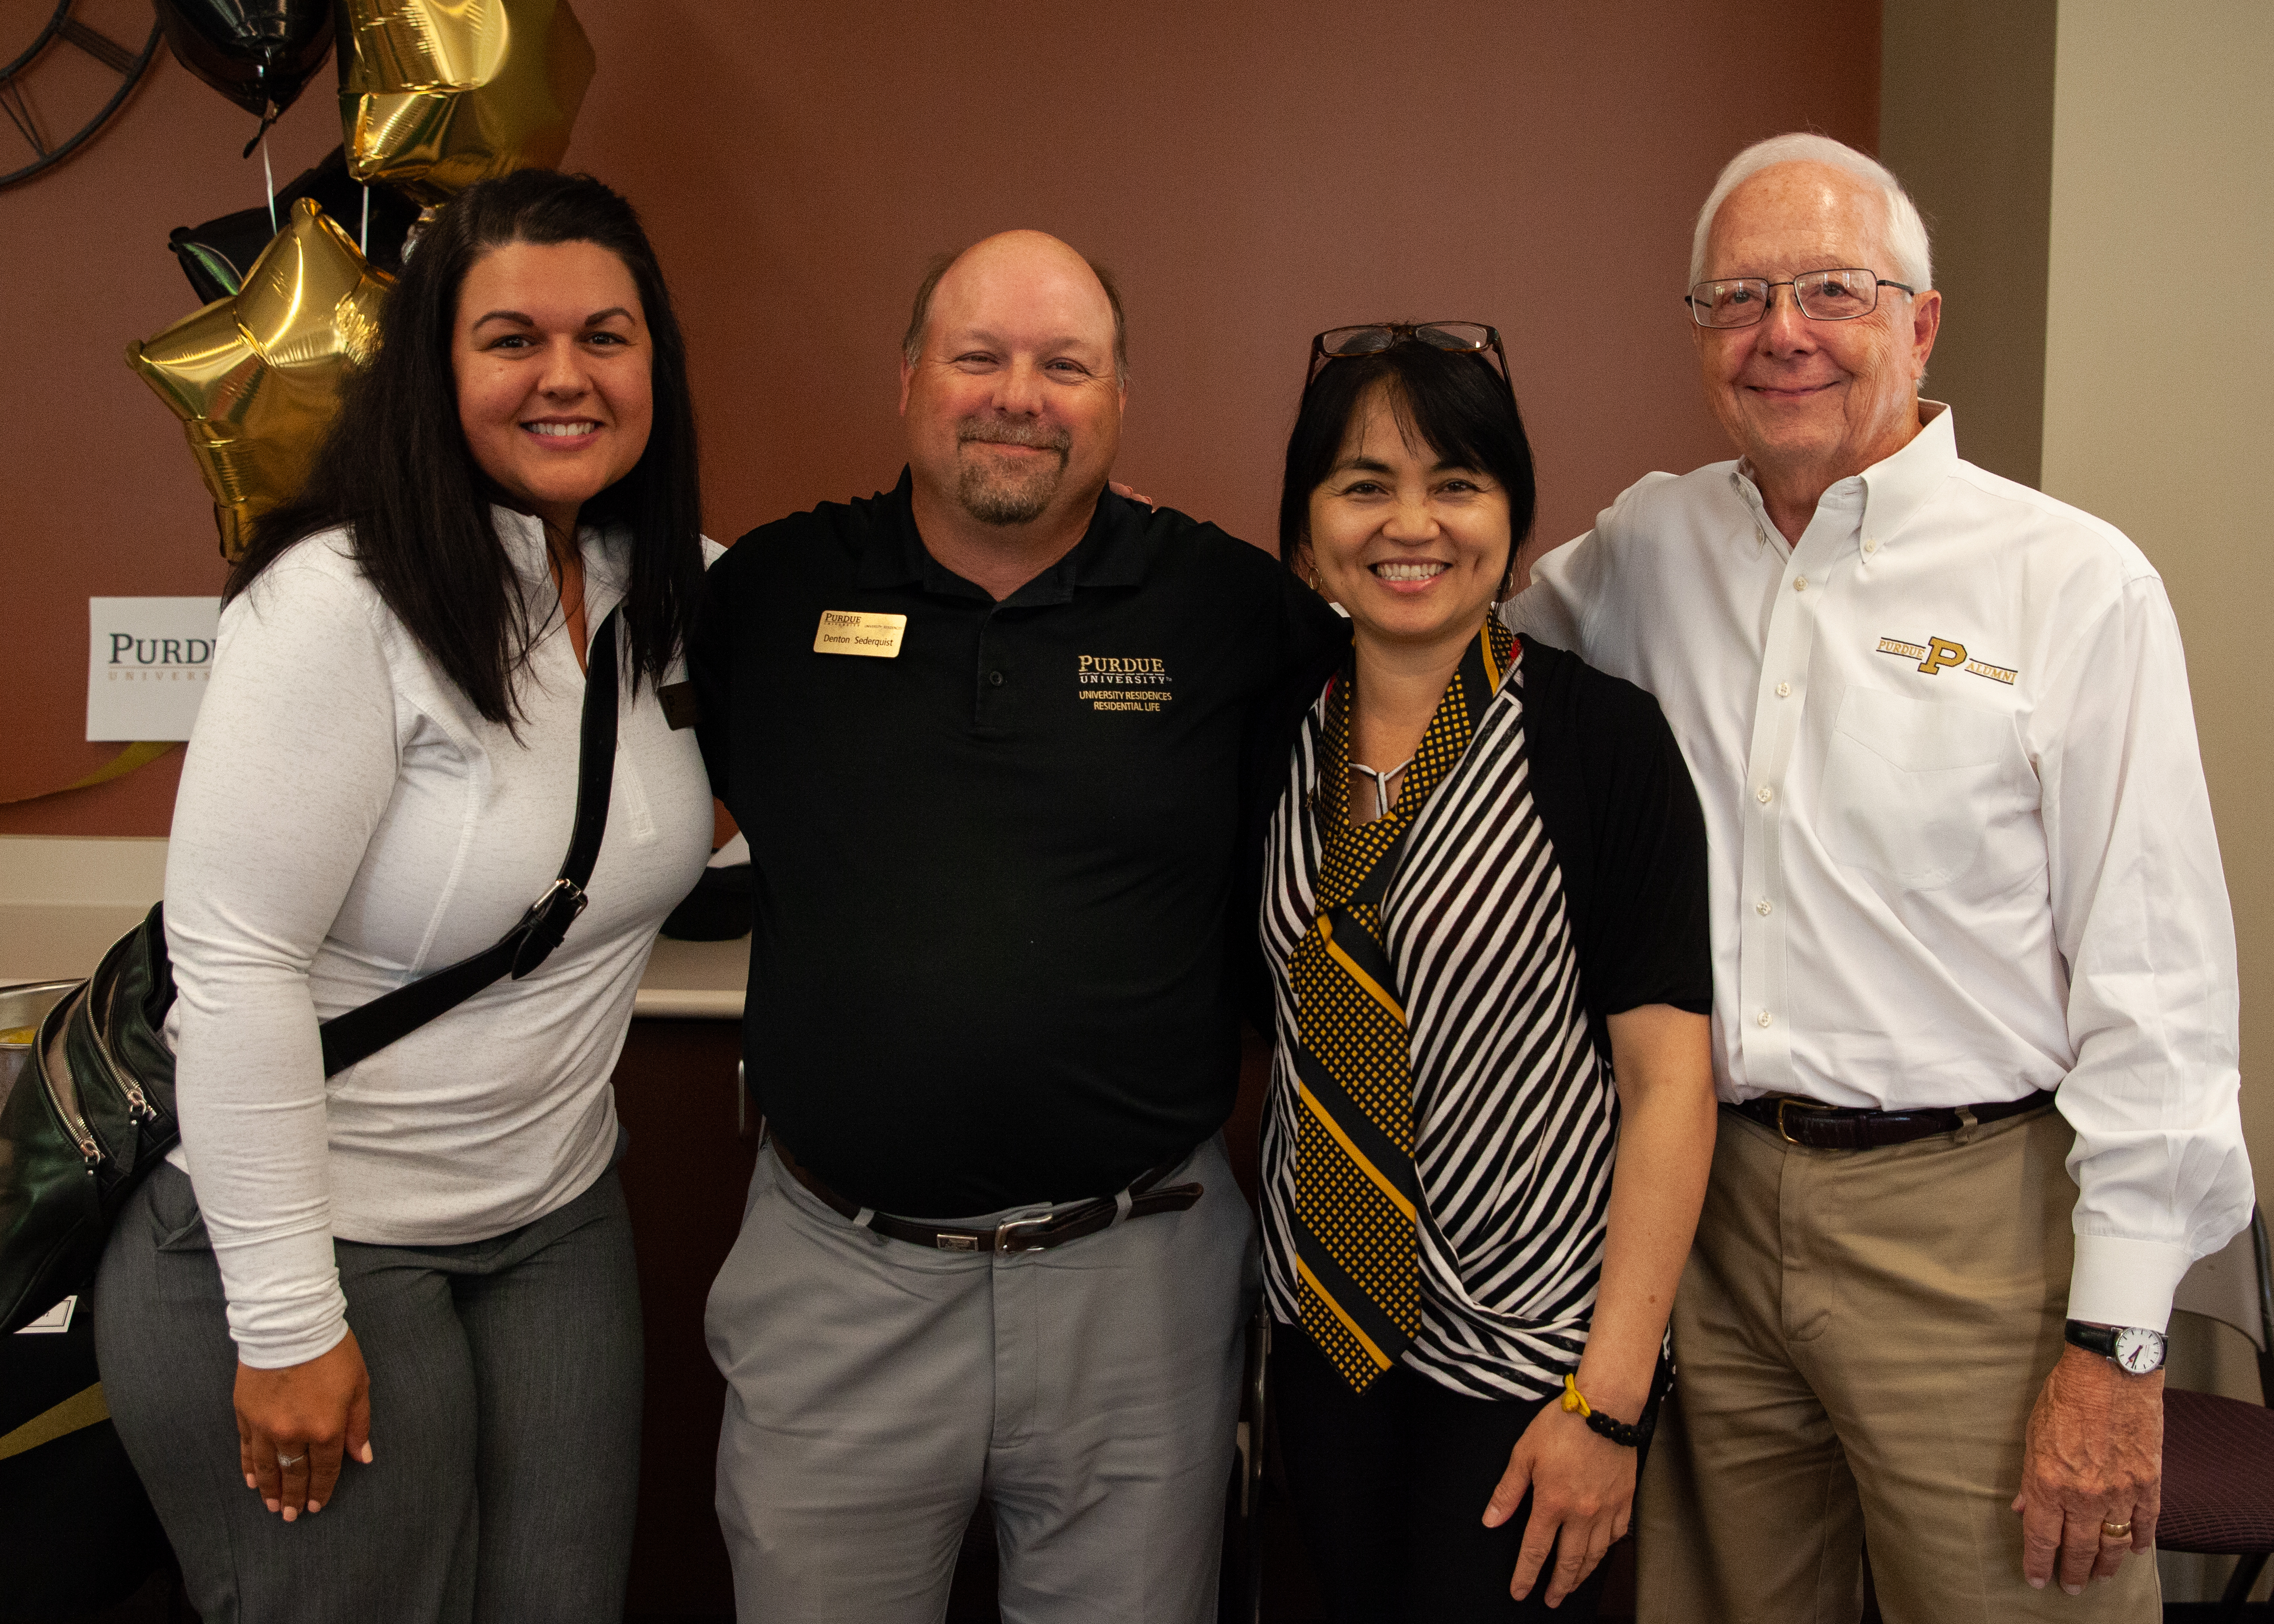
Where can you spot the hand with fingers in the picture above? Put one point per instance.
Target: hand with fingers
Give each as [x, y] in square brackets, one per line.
[1129, 494]
[296, 1425]
[2091, 1471]
[1582, 1487]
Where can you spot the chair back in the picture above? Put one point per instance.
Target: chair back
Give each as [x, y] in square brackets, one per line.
[2235, 1287]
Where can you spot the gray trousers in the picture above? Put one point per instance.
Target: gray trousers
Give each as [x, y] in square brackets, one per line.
[875, 1390]
[505, 1405]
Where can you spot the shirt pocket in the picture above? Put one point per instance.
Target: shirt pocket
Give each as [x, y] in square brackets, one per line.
[1911, 786]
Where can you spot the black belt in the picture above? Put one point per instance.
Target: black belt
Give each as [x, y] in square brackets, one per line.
[1037, 1234]
[1836, 1127]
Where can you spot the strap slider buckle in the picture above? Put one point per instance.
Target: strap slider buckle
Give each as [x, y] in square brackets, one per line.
[548, 921]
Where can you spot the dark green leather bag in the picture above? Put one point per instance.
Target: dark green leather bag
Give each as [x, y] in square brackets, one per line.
[91, 1113]
[92, 1110]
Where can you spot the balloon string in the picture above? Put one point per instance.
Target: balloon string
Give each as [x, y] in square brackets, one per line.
[261, 134]
[364, 245]
[268, 175]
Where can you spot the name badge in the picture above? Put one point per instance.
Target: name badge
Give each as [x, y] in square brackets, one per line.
[846, 631]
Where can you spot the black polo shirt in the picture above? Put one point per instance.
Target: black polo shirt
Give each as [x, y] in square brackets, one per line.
[1006, 878]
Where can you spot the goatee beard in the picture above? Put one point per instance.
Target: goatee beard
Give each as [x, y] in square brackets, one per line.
[993, 496]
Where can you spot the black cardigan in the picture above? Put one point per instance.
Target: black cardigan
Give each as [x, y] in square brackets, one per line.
[1623, 817]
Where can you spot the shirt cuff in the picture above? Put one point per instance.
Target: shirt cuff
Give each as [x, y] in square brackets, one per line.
[270, 1350]
[285, 1305]
[2122, 1281]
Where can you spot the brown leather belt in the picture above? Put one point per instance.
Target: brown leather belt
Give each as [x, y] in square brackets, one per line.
[1036, 1234]
[1837, 1127]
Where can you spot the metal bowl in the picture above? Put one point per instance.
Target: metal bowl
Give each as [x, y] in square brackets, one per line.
[27, 1002]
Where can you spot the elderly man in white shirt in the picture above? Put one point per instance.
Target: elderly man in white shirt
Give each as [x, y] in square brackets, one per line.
[1969, 925]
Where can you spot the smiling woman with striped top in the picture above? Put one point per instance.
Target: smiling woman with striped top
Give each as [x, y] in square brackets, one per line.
[1492, 1109]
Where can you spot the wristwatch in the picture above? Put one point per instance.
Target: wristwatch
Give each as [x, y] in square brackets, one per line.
[2134, 1347]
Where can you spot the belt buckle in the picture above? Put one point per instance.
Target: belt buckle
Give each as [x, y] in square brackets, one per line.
[1783, 1100]
[1003, 1232]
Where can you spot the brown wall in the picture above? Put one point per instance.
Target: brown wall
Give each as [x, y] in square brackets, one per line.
[1254, 173]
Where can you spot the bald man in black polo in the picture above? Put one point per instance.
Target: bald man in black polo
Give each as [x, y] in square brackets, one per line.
[1002, 742]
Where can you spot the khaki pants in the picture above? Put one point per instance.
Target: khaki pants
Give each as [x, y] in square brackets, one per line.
[1860, 1336]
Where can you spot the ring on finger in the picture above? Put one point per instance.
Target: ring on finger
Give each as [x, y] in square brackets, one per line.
[294, 1459]
[2116, 1531]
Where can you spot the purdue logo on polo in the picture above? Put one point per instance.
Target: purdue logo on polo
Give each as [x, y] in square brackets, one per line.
[1118, 682]
[1938, 655]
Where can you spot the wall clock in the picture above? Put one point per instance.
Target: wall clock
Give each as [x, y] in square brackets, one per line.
[63, 85]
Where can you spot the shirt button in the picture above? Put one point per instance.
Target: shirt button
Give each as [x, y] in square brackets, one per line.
[1763, 1018]
[1871, 543]
[1784, 690]
[1765, 794]
[995, 678]
[1765, 907]
[1800, 584]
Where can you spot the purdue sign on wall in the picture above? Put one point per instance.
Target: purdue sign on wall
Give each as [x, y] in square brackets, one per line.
[148, 661]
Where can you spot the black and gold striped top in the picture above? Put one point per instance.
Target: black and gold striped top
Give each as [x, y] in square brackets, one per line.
[1555, 877]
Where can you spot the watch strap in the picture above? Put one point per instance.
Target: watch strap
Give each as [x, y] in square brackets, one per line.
[2108, 1342]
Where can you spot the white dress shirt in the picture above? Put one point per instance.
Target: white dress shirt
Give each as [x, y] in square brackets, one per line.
[1961, 847]
[348, 821]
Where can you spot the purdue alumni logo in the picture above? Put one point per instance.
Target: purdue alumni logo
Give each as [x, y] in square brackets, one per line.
[1938, 655]
[1119, 684]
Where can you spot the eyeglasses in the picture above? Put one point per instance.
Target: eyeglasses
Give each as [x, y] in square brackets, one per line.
[1822, 296]
[1342, 343]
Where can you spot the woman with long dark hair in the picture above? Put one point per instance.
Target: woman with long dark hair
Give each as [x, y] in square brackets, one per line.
[1491, 1109]
[413, 1281]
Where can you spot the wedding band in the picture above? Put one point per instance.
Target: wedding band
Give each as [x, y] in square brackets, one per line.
[2116, 1531]
[294, 1459]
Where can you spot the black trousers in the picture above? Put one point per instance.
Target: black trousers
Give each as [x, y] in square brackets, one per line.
[1389, 1489]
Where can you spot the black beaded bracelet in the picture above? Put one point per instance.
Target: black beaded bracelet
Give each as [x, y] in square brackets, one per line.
[1618, 1431]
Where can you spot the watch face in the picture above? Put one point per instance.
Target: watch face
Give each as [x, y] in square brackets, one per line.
[2139, 1351]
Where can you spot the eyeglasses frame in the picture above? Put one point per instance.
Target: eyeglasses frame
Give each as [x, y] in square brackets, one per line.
[1769, 302]
[1401, 332]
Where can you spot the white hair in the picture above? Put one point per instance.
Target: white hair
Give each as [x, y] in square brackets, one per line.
[1907, 241]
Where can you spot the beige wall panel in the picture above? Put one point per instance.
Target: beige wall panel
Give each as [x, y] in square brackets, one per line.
[1966, 122]
[2159, 386]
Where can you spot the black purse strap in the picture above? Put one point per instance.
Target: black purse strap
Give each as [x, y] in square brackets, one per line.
[360, 1032]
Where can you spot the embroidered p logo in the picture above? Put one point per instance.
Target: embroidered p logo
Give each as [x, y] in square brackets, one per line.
[1941, 654]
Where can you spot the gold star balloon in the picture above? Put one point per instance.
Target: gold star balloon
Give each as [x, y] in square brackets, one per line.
[255, 379]
[436, 94]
